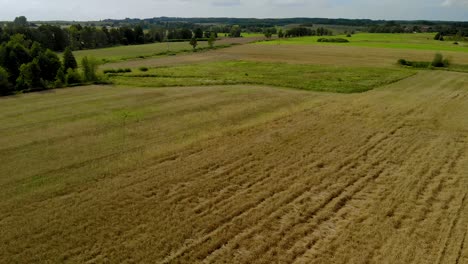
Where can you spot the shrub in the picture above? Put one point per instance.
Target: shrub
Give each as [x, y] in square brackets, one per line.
[439, 36]
[349, 35]
[90, 66]
[446, 62]
[73, 76]
[60, 79]
[334, 40]
[404, 62]
[194, 43]
[143, 69]
[211, 40]
[419, 64]
[438, 60]
[106, 71]
[415, 64]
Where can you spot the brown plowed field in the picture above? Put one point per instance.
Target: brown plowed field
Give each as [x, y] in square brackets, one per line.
[237, 175]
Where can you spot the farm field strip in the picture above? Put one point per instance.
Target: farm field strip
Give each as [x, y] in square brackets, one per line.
[293, 176]
[137, 52]
[304, 77]
[110, 121]
[419, 41]
[328, 55]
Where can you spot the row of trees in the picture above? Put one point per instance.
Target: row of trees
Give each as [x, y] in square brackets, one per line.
[305, 31]
[390, 27]
[79, 37]
[451, 33]
[27, 66]
[449, 29]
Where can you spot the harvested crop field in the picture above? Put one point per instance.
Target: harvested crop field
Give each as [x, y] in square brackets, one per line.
[123, 53]
[237, 174]
[333, 55]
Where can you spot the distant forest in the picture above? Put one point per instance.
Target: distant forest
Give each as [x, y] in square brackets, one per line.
[28, 58]
[58, 35]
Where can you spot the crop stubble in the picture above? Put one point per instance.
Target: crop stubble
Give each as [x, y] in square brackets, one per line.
[378, 177]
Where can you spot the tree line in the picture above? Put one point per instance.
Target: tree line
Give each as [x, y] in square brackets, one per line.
[260, 24]
[78, 37]
[307, 31]
[26, 65]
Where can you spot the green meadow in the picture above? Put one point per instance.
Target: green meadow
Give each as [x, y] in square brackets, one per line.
[417, 41]
[304, 77]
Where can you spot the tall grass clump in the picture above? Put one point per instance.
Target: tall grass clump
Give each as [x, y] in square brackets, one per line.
[440, 61]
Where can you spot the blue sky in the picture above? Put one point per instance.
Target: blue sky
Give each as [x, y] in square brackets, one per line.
[101, 9]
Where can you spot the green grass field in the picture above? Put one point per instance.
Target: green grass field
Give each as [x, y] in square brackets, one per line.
[305, 77]
[421, 41]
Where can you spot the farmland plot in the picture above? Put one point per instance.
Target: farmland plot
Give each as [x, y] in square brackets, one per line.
[330, 55]
[237, 174]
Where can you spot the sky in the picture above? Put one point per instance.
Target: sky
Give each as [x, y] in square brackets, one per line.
[83, 10]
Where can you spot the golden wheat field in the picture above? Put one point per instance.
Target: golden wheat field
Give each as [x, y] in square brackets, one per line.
[237, 174]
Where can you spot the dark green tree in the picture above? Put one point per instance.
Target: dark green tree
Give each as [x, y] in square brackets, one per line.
[105, 30]
[5, 86]
[12, 56]
[439, 36]
[69, 61]
[114, 36]
[139, 35]
[267, 34]
[21, 21]
[185, 34]
[53, 37]
[235, 32]
[128, 36]
[36, 49]
[198, 33]
[280, 33]
[29, 77]
[49, 64]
